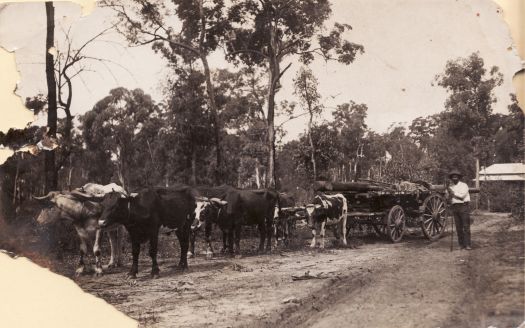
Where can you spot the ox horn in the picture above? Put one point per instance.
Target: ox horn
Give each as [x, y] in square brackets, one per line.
[218, 201]
[48, 196]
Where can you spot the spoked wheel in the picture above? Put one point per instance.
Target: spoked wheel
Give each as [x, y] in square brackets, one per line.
[434, 217]
[395, 224]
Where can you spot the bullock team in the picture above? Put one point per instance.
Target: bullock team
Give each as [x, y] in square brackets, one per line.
[186, 210]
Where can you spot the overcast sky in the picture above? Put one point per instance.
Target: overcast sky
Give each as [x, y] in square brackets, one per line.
[407, 42]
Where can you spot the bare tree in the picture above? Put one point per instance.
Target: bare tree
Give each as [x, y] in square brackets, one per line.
[50, 171]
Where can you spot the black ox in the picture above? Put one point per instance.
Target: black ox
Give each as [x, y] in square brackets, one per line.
[145, 213]
[237, 208]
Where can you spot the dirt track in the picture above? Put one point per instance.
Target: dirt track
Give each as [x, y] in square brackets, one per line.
[411, 284]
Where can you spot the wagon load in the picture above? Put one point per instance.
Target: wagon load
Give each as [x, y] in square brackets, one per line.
[347, 186]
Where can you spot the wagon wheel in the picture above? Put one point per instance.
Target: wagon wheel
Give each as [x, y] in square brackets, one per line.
[395, 224]
[434, 216]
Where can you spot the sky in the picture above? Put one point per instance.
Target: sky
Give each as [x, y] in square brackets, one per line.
[407, 42]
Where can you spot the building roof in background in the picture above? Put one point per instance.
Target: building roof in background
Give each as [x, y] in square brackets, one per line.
[503, 172]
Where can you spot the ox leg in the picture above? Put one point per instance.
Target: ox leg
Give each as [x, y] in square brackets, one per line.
[286, 233]
[83, 235]
[237, 231]
[228, 240]
[96, 251]
[225, 237]
[193, 236]
[268, 229]
[114, 243]
[207, 238]
[314, 233]
[335, 229]
[276, 234]
[183, 236]
[135, 251]
[262, 236]
[343, 229]
[153, 248]
[322, 233]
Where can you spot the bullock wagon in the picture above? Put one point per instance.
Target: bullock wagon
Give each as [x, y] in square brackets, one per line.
[391, 208]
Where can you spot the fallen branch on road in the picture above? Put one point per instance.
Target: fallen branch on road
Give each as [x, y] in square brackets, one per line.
[307, 276]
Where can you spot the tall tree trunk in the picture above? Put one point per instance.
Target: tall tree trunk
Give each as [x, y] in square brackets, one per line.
[312, 147]
[273, 80]
[211, 95]
[476, 197]
[257, 174]
[271, 141]
[215, 119]
[51, 176]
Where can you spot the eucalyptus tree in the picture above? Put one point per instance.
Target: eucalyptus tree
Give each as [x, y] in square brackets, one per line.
[305, 88]
[267, 32]
[349, 121]
[182, 31]
[113, 131]
[469, 106]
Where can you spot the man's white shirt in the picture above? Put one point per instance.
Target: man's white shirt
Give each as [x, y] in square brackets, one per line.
[460, 190]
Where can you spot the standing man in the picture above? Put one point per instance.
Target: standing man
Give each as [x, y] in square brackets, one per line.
[460, 198]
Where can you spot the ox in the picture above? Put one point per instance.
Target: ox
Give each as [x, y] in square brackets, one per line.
[284, 218]
[251, 207]
[209, 211]
[145, 213]
[211, 205]
[83, 215]
[327, 210]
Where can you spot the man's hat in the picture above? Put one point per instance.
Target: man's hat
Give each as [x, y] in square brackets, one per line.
[454, 172]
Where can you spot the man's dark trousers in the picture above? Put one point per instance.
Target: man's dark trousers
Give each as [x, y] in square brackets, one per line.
[461, 214]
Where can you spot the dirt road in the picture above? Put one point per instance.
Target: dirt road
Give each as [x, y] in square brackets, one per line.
[411, 284]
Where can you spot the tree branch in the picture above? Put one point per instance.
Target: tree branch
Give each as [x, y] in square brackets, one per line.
[257, 52]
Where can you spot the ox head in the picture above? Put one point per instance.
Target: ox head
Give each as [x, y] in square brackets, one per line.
[49, 215]
[65, 206]
[313, 211]
[112, 204]
[205, 210]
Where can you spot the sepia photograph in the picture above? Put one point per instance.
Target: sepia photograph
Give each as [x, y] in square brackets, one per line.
[262, 163]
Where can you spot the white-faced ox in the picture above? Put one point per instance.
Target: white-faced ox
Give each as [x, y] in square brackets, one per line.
[327, 210]
[83, 214]
[209, 211]
[145, 213]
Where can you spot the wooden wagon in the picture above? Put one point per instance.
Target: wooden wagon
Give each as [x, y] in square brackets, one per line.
[390, 208]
